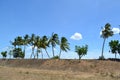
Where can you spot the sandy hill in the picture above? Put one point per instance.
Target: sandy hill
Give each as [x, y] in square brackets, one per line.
[53, 69]
[70, 65]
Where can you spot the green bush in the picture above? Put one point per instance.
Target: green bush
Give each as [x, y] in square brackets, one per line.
[17, 52]
[55, 57]
[4, 54]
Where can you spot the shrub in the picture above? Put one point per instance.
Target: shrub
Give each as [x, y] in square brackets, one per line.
[55, 57]
[4, 54]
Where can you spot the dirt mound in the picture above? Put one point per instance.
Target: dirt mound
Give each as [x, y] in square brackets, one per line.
[68, 65]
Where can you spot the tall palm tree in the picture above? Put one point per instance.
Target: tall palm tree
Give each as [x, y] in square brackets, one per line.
[32, 43]
[38, 45]
[64, 45]
[14, 43]
[19, 41]
[26, 41]
[45, 44]
[54, 40]
[106, 32]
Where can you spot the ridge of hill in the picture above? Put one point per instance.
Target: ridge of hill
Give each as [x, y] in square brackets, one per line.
[68, 65]
[52, 69]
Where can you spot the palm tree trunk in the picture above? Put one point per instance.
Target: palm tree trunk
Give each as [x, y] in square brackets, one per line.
[32, 53]
[47, 54]
[24, 50]
[79, 58]
[53, 51]
[37, 54]
[60, 53]
[115, 55]
[103, 48]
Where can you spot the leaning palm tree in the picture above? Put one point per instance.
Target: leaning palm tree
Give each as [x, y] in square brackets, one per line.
[14, 43]
[32, 43]
[38, 45]
[26, 41]
[54, 40]
[64, 45]
[44, 44]
[106, 32]
[19, 41]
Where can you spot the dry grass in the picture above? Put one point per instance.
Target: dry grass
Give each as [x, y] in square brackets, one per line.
[89, 70]
[10, 73]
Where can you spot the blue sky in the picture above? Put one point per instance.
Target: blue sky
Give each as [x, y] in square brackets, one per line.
[64, 17]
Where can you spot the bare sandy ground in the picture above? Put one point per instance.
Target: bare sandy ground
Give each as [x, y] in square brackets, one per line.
[71, 70]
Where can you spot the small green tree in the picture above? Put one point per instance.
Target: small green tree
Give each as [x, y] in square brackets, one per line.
[81, 51]
[114, 46]
[18, 53]
[4, 54]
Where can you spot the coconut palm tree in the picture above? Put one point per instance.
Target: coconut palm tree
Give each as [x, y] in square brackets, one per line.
[19, 41]
[45, 44]
[54, 40]
[106, 32]
[32, 43]
[38, 45]
[64, 45]
[26, 41]
[14, 43]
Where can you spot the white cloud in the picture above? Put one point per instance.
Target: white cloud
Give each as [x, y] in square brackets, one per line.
[76, 36]
[116, 30]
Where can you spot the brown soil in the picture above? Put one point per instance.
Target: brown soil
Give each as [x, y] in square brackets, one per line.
[93, 69]
[69, 65]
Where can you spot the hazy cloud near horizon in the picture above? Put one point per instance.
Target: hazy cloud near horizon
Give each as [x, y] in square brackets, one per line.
[76, 36]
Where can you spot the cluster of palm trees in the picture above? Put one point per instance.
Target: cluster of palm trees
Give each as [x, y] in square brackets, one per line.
[39, 43]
